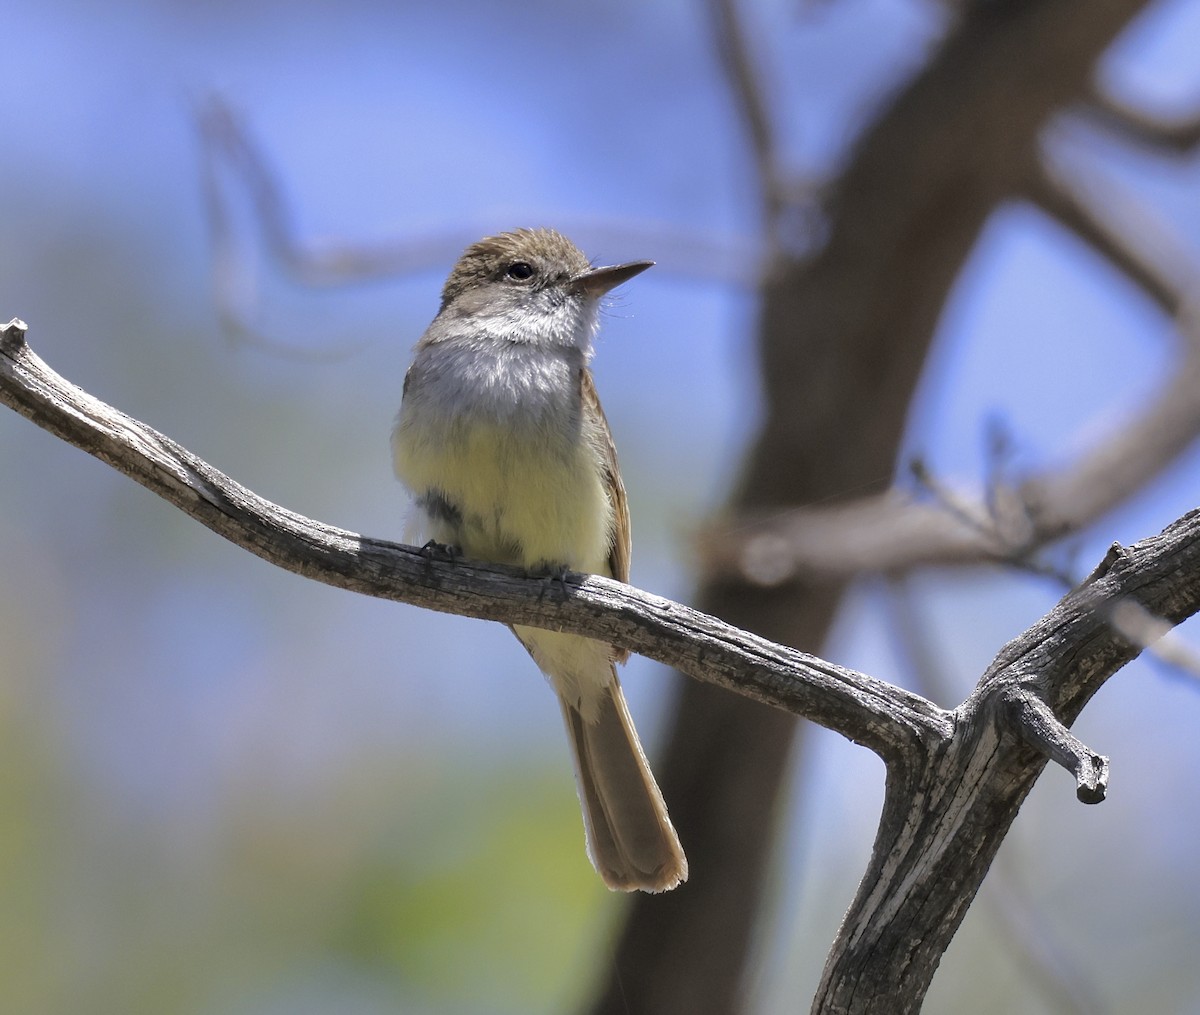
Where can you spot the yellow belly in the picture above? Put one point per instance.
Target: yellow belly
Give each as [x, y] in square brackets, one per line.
[525, 498]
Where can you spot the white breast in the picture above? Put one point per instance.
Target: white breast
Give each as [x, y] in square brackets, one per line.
[496, 429]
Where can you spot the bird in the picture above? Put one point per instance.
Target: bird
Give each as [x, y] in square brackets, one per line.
[505, 450]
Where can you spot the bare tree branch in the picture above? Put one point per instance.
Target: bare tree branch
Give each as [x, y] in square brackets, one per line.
[1019, 920]
[955, 780]
[1040, 728]
[906, 905]
[224, 135]
[1178, 136]
[865, 709]
[228, 148]
[845, 328]
[893, 531]
[746, 87]
[1128, 236]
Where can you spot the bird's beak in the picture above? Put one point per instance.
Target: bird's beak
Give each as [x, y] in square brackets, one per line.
[598, 281]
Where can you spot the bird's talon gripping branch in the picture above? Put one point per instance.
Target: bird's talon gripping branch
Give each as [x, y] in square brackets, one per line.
[435, 551]
[555, 577]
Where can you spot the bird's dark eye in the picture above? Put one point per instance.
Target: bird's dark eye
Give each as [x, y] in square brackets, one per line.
[520, 270]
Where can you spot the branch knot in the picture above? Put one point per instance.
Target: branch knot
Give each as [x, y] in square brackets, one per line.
[12, 336]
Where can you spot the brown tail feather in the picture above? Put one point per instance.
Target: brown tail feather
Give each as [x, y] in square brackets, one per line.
[630, 839]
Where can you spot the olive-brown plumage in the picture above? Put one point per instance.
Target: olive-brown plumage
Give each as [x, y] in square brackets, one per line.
[504, 446]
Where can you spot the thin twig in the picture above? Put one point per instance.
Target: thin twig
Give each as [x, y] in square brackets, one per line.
[228, 148]
[746, 88]
[1133, 240]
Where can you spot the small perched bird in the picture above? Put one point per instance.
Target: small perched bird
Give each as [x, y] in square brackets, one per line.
[503, 445]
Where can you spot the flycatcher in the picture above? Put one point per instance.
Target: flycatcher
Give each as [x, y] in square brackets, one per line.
[504, 447]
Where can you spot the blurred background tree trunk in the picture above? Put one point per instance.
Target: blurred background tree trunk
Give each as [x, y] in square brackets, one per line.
[842, 337]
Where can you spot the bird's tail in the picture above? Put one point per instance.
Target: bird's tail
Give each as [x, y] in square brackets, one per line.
[630, 839]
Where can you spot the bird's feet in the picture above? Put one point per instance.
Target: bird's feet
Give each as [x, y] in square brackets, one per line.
[553, 576]
[445, 552]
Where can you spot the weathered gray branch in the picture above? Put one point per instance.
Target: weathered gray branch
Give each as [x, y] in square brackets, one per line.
[955, 779]
[1040, 728]
[863, 708]
[945, 813]
[1020, 919]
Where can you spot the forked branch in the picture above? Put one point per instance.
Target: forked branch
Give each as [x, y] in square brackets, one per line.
[955, 779]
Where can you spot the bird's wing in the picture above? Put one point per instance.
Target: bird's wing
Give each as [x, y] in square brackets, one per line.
[621, 547]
